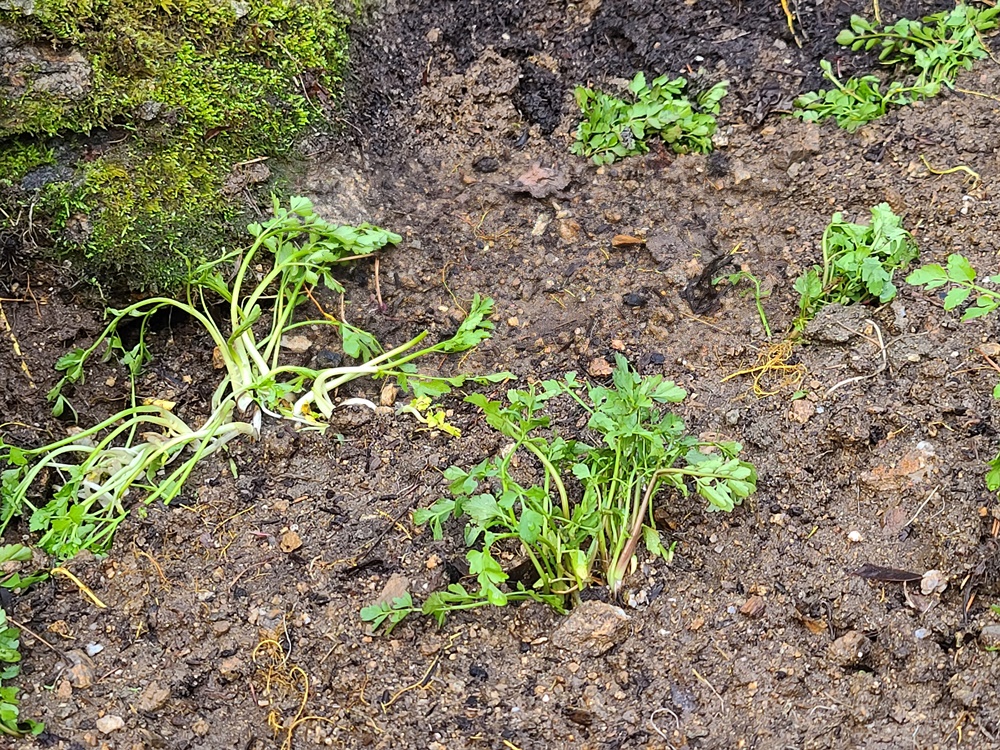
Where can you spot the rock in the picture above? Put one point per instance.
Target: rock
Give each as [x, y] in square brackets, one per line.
[25, 68]
[27, 7]
[799, 145]
[541, 182]
[295, 344]
[592, 629]
[231, 669]
[634, 299]
[933, 582]
[599, 368]
[836, 324]
[290, 541]
[81, 673]
[569, 230]
[64, 690]
[110, 723]
[989, 637]
[851, 649]
[153, 697]
[802, 410]
[240, 8]
[395, 587]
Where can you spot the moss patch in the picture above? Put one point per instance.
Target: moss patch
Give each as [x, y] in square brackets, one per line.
[193, 87]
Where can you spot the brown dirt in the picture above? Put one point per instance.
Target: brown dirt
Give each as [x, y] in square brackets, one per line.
[192, 589]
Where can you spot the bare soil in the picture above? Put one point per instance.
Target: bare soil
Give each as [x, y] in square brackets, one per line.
[451, 103]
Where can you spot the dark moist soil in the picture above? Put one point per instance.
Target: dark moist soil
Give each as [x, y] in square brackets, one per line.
[756, 636]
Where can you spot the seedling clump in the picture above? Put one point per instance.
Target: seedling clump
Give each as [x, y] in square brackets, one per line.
[613, 128]
[859, 263]
[150, 450]
[926, 55]
[12, 556]
[578, 520]
[965, 283]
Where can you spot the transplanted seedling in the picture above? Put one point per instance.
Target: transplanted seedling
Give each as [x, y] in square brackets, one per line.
[965, 284]
[613, 128]
[959, 274]
[859, 263]
[148, 450]
[962, 278]
[580, 519]
[758, 296]
[926, 55]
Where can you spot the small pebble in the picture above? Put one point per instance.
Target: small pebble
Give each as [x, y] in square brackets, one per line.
[110, 723]
[854, 536]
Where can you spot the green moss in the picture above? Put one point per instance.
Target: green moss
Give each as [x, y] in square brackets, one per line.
[197, 89]
[21, 156]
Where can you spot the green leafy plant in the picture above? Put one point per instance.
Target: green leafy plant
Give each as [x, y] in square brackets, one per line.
[926, 54]
[859, 263]
[11, 723]
[579, 518]
[965, 283]
[735, 278]
[613, 128]
[854, 102]
[962, 277]
[147, 448]
[959, 273]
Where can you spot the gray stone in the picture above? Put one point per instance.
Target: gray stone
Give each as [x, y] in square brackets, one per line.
[837, 324]
[850, 650]
[989, 637]
[592, 629]
[27, 68]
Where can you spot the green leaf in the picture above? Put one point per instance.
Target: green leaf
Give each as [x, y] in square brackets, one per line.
[530, 525]
[845, 38]
[932, 275]
[651, 538]
[956, 297]
[959, 269]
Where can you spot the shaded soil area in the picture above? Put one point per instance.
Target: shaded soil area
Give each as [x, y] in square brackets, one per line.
[756, 635]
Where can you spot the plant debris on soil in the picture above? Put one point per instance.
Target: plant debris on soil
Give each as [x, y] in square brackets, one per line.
[850, 602]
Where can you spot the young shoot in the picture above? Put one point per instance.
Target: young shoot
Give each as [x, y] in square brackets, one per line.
[589, 504]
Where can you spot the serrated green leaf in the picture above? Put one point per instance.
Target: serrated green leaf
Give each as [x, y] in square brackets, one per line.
[956, 297]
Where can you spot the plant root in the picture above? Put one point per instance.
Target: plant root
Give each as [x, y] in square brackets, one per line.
[772, 373]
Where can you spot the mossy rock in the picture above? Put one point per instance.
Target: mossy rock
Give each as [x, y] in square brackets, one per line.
[152, 104]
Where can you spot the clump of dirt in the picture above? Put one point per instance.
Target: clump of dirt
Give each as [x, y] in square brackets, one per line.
[757, 634]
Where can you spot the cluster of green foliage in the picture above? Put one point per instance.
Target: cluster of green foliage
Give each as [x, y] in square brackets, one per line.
[613, 128]
[859, 263]
[147, 449]
[637, 449]
[11, 723]
[959, 273]
[198, 86]
[926, 54]
[965, 282]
